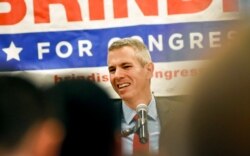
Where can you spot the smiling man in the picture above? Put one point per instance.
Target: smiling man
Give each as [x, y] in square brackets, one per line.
[131, 69]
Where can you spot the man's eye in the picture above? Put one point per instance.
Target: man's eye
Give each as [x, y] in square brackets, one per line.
[111, 70]
[126, 67]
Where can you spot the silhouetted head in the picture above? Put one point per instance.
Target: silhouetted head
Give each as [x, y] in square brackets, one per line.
[21, 107]
[89, 117]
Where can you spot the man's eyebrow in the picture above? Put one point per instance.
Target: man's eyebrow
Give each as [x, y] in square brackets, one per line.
[122, 64]
[126, 63]
[110, 67]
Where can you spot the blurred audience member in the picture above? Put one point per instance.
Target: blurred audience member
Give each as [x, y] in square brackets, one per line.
[89, 117]
[216, 121]
[25, 126]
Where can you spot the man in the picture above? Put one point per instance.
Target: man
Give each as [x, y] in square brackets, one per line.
[131, 69]
[25, 126]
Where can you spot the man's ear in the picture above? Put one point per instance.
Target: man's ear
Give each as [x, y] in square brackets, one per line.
[150, 69]
[49, 138]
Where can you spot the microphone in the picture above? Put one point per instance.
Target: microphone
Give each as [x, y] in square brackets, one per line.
[142, 111]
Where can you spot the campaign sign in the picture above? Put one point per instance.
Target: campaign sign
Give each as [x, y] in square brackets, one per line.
[50, 41]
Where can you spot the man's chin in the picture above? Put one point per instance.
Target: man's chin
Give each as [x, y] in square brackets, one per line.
[122, 96]
[125, 96]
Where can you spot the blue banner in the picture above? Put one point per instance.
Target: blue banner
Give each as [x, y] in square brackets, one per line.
[88, 48]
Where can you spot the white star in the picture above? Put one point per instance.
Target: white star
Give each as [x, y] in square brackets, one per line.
[12, 52]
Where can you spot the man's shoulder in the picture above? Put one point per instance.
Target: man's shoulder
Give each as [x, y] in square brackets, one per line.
[170, 103]
[161, 99]
[118, 104]
[171, 99]
[117, 101]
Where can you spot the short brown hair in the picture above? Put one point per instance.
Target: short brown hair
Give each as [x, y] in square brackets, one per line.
[141, 51]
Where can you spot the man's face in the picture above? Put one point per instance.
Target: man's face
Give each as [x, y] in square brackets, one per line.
[127, 76]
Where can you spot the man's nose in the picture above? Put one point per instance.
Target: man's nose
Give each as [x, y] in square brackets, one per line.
[119, 73]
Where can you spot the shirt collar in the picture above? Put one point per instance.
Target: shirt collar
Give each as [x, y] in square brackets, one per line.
[129, 113]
